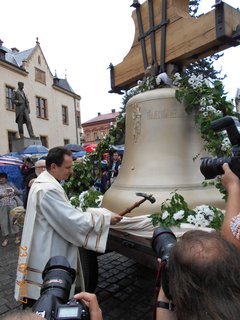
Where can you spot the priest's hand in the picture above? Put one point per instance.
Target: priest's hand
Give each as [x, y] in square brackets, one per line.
[115, 218]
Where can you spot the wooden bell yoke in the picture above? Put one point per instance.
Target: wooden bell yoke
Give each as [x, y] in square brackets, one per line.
[165, 33]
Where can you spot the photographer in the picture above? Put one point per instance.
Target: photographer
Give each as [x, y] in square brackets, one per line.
[231, 223]
[204, 280]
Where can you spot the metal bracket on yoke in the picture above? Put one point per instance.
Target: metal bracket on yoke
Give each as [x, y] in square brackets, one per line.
[112, 79]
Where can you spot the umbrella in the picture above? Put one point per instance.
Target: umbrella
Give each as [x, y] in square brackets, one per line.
[73, 147]
[90, 148]
[119, 148]
[10, 161]
[34, 149]
[78, 154]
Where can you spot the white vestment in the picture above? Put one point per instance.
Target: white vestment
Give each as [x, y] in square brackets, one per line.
[53, 227]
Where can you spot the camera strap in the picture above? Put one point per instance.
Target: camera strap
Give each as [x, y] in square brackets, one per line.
[161, 265]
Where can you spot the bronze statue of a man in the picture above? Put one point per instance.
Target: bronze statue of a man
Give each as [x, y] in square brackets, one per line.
[22, 111]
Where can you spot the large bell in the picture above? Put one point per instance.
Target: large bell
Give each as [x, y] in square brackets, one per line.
[161, 142]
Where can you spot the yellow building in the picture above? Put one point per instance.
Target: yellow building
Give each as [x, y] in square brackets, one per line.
[55, 107]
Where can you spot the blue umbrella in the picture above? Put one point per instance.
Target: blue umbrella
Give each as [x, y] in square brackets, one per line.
[34, 149]
[74, 147]
[78, 154]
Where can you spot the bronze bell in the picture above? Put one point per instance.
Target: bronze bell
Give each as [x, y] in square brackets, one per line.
[161, 142]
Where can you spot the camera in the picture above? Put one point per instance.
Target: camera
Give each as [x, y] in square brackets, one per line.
[53, 303]
[212, 167]
[163, 241]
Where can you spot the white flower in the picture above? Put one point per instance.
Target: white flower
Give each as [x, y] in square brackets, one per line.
[191, 81]
[178, 215]
[165, 214]
[99, 200]
[205, 114]
[203, 101]
[177, 76]
[139, 82]
[191, 219]
[210, 101]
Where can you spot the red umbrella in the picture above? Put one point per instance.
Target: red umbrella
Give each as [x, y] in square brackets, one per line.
[90, 148]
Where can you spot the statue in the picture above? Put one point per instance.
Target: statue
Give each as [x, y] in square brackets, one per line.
[22, 111]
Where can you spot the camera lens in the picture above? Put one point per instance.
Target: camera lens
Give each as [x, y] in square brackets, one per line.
[212, 167]
[163, 241]
[58, 277]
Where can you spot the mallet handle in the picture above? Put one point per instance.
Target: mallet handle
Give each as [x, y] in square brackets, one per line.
[136, 204]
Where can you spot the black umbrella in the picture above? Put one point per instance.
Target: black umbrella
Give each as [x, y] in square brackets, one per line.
[73, 147]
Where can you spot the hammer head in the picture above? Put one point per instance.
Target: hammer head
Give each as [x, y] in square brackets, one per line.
[146, 196]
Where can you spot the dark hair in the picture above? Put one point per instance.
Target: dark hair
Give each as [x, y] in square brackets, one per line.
[3, 175]
[56, 155]
[204, 277]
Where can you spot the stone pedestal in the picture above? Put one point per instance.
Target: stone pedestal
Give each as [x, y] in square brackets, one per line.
[21, 143]
[161, 142]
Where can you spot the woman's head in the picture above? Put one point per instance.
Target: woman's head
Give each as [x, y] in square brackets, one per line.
[3, 177]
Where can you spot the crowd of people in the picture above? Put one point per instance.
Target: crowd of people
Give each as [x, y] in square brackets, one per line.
[110, 167]
[203, 267]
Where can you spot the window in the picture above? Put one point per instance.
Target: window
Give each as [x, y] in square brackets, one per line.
[12, 135]
[65, 114]
[78, 119]
[66, 141]
[8, 94]
[39, 60]
[95, 135]
[44, 140]
[41, 108]
[40, 76]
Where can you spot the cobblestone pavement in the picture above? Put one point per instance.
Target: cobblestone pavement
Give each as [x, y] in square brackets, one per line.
[125, 289]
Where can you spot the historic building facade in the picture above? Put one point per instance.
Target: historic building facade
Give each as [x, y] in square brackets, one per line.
[55, 107]
[95, 129]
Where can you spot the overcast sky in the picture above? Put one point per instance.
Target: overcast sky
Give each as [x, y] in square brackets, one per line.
[80, 38]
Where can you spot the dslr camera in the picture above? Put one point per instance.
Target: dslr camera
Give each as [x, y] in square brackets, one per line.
[53, 303]
[163, 241]
[212, 167]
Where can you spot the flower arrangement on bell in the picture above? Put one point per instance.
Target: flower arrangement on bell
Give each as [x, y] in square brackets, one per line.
[175, 212]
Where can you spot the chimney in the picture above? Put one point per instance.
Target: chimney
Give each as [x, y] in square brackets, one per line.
[99, 113]
[14, 50]
[113, 110]
[2, 51]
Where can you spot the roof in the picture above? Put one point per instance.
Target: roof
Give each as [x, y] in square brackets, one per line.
[63, 83]
[17, 58]
[103, 117]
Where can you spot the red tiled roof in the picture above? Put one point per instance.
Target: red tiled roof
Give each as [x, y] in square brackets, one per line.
[102, 117]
